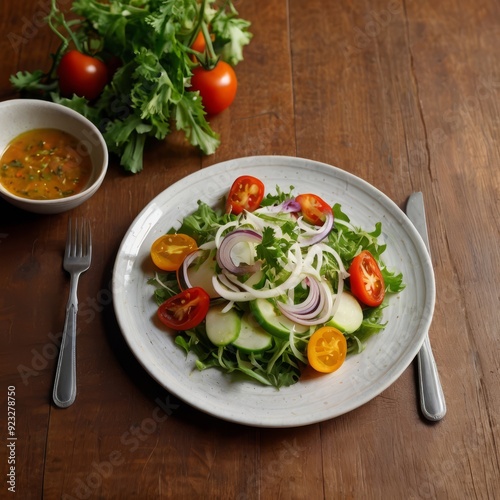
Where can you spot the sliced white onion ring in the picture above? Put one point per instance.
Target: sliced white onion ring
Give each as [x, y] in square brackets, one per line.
[189, 259]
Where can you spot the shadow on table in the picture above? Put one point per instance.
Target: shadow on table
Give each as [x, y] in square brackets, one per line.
[139, 377]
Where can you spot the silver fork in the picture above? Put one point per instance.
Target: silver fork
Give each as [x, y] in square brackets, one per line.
[76, 261]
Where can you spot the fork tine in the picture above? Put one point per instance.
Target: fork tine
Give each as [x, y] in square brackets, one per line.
[74, 238]
[86, 238]
[89, 241]
[79, 230]
[69, 240]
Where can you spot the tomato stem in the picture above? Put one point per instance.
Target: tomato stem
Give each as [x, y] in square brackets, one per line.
[57, 17]
[209, 59]
[212, 58]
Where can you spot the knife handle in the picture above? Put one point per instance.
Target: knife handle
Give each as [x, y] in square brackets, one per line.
[432, 400]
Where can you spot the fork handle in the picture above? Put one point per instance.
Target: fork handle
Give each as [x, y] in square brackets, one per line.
[64, 393]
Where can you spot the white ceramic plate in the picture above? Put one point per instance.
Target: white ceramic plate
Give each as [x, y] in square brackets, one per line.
[360, 379]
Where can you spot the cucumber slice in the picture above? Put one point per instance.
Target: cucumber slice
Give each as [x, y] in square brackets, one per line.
[202, 276]
[252, 337]
[256, 278]
[222, 328]
[349, 315]
[272, 321]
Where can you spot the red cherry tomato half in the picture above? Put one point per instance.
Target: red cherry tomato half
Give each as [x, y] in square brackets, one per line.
[367, 283]
[246, 193]
[313, 208]
[217, 86]
[185, 310]
[82, 75]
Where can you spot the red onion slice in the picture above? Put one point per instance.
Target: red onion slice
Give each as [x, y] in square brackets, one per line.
[309, 305]
[319, 235]
[224, 258]
[288, 206]
[317, 311]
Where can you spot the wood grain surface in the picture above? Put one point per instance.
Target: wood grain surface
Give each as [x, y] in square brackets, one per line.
[404, 94]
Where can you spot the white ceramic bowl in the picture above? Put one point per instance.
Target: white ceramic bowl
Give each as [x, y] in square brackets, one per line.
[21, 115]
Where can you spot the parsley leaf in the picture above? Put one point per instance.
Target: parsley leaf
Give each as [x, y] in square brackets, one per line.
[272, 251]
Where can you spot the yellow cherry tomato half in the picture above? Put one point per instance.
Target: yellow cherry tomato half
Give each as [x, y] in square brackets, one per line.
[327, 349]
[169, 251]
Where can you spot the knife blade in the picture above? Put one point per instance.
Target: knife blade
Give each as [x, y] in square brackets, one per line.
[432, 401]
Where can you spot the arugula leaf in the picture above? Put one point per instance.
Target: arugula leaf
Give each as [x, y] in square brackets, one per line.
[349, 241]
[372, 324]
[393, 280]
[278, 198]
[275, 367]
[203, 223]
[166, 286]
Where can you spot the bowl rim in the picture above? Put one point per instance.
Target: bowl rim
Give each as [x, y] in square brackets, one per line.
[72, 114]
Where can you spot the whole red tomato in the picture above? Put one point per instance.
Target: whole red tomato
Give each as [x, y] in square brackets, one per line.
[82, 75]
[217, 86]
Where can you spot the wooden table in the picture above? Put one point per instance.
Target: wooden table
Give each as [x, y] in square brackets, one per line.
[402, 94]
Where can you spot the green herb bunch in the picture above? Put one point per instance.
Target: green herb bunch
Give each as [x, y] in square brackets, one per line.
[149, 93]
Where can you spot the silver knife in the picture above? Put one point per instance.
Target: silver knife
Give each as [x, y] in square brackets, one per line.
[432, 400]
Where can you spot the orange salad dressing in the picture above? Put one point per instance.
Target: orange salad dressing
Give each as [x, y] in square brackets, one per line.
[45, 164]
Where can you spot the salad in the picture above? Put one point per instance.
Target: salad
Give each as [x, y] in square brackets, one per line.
[271, 283]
